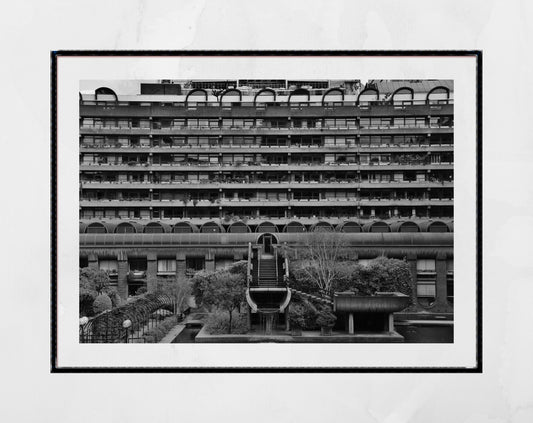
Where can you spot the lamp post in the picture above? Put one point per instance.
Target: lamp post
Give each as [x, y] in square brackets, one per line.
[126, 325]
[83, 321]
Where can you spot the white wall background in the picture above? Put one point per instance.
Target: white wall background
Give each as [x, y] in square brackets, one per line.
[30, 29]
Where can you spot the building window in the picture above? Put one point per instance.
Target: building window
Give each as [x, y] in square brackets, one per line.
[426, 282]
[449, 280]
[194, 264]
[166, 267]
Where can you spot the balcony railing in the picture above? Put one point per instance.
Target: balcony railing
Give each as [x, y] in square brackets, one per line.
[269, 129]
[271, 202]
[265, 184]
[264, 166]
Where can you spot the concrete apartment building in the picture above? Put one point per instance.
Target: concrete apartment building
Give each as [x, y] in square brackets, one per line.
[191, 174]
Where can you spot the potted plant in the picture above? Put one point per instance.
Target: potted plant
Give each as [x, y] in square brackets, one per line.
[326, 320]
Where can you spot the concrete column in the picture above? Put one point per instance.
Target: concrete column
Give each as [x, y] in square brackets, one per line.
[411, 260]
[93, 261]
[151, 272]
[391, 322]
[181, 266]
[441, 301]
[249, 317]
[210, 261]
[413, 212]
[122, 278]
[351, 328]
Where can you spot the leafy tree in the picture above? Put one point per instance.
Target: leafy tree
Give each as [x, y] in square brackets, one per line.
[179, 291]
[225, 291]
[94, 282]
[380, 275]
[383, 275]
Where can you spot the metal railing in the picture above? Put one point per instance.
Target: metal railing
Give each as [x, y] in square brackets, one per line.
[127, 323]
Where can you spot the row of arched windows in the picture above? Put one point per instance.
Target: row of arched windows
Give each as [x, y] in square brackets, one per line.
[369, 94]
[241, 227]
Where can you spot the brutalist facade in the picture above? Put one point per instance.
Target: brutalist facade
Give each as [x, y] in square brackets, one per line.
[186, 174]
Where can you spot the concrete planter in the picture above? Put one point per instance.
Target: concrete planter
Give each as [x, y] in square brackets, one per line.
[382, 302]
[326, 330]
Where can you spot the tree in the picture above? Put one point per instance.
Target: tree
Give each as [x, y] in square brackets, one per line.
[94, 283]
[179, 291]
[383, 275]
[323, 251]
[225, 291]
[93, 280]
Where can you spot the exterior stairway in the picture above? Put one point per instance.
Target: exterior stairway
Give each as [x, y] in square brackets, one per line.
[267, 291]
[268, 274]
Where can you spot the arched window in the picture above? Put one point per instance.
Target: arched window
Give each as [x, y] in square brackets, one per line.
[228, 96]
[438, 94]
[378, 227]
[96, 228]
[301, 95]
[333, 95]
[408, 227]
[239, 228]
[266, 227]
[154, 228]
[125, 228]
[294, 227]
[184, 228]
[322, 226]
[437, 227]
[367, 95]
[263, 94]
[211, 227]
[195, 93]
[403, 95]
[105, 93]
[350, 227]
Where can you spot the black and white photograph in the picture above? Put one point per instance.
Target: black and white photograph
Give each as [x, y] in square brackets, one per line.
[232, 202]
[266, 210]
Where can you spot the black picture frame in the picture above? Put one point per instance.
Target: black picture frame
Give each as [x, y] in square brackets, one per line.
[477, 54]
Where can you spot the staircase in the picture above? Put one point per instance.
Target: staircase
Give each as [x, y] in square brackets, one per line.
[268, 272]
[267, 292]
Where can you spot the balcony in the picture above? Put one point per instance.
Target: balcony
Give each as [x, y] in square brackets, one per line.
[265, 130]
[194, 185]
[265, 110]
[331, 202]
[217, 167]
[269, 149]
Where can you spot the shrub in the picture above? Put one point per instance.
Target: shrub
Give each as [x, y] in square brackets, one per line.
[86, 305]
[326, 319]
[102, 303]
[141, 290]
[159, 332]
[309, 312]
[297, 315]
[380, 275]
[218, 322]
[239, 268]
